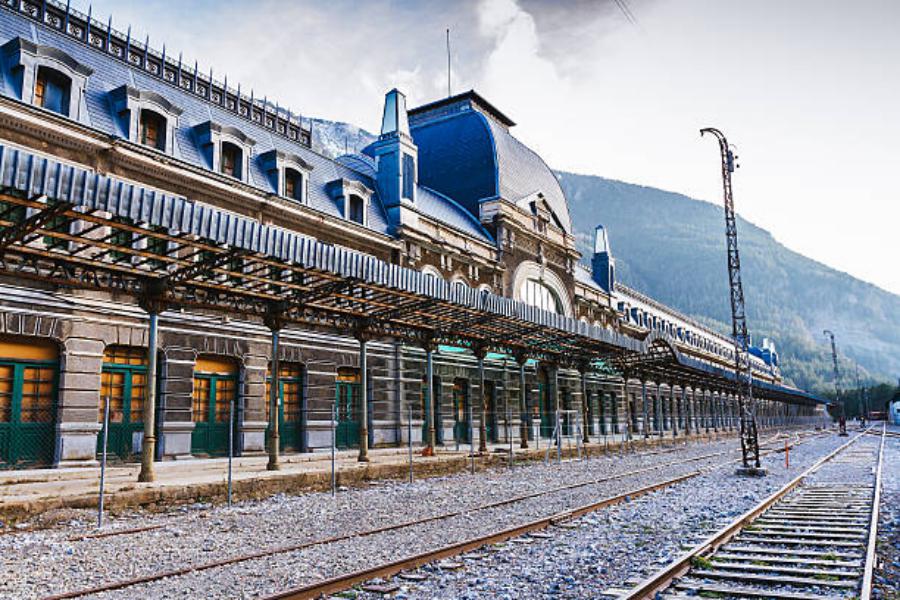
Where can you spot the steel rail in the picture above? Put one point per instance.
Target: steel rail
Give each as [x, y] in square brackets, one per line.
[342, 582]
[869, 569]
[662, 579]
[397, 526]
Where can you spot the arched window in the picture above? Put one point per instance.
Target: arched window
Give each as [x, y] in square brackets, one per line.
[232, 159]
[293, 184]
[152, 130]
[431, 271]
[536, 293]
[51, 90]
[357, 210]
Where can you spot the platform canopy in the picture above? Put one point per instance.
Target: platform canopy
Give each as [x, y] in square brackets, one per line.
[73, 227]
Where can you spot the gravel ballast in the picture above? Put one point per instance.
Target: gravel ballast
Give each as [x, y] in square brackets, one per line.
[616, 547]
[36, 564]
[887, 571]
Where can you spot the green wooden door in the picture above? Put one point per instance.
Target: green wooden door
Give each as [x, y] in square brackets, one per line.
[347, 401]
[27, 412]
[461, 410]
[125, 386]
[213, 394]
[290, 406]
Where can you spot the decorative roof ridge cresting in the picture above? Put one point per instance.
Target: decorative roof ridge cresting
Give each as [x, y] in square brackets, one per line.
[103, 38]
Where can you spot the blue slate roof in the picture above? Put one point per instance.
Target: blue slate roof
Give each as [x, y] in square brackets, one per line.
[110, 74]
[583, 275]
[444, 209]
[472, 157]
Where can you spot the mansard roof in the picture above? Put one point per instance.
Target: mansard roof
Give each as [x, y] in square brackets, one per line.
[467, 152]
[111, 73]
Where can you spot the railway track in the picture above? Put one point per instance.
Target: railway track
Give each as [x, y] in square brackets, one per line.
[346, 581]
[814, 539]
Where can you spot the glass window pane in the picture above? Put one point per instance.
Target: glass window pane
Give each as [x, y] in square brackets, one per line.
[200, 404]
[6, 392]
[37, 395]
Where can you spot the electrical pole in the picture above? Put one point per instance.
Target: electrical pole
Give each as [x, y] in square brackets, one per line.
[842, 419]
[859, 395]
[742, 368]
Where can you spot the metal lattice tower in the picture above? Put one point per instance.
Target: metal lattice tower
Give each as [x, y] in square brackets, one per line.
[743, 372]
[837, 383]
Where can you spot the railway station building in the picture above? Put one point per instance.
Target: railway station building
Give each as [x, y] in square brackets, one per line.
[133, 184]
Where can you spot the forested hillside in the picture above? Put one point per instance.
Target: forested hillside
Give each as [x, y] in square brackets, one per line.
[673, 248]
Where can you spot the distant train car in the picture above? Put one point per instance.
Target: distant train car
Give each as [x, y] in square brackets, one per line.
[895, 411]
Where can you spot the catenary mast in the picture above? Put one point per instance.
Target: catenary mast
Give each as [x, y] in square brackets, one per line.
[742, 368]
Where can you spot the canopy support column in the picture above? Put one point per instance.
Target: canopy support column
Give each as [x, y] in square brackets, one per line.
[521, 359]
[152, 302]
[429, 398]
[362, 337]
[480, 353]
[274, 322]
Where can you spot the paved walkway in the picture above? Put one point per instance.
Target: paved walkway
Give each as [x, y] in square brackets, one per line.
[26, 493]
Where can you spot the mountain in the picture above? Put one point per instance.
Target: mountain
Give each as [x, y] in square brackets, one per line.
[672, 247]
[333, 138]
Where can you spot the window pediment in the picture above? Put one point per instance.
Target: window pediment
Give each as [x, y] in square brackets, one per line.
[126, 97]
[19, 49]
[276, 159]
[210, 132]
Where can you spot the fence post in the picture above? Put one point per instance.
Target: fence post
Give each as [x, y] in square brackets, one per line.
[409, 440]
[231, 442]
[558, 439]
[103, 463]
[471, 435]
[509, 434]
[333, 446]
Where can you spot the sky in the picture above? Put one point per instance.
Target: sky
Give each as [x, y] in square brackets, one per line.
[807, 91]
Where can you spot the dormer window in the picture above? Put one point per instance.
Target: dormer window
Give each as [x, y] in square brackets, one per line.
[152, 129]
[356, 210]
[231, 160]
[52, 90]
[226, 149]
[145, 118]
[47, 77]
[288, 174]
[352, 198]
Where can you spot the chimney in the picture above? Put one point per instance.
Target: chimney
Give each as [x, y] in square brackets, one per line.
[396, 156]
[603, 265]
